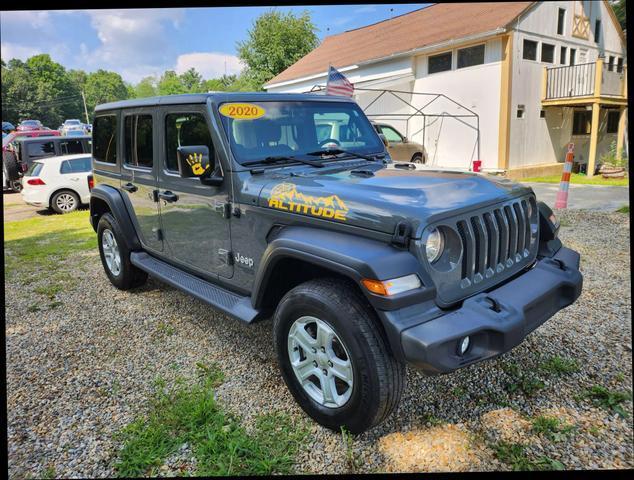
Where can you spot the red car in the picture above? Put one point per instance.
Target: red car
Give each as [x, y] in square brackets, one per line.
[30, 125]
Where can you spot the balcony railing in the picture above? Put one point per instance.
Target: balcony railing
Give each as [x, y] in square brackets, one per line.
[582, 81]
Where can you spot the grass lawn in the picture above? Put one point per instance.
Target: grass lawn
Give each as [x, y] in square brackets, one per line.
[580, 179]
[37, 245]
[189, 414]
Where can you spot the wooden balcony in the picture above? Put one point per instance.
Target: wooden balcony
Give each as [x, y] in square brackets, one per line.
[584, 84]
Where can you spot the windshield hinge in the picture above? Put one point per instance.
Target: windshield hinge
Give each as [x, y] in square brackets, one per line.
[402, 234]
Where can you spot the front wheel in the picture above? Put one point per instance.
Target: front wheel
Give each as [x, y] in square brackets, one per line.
[334, 358]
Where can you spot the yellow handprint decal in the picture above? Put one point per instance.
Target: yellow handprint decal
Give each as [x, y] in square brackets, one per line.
[196, 163]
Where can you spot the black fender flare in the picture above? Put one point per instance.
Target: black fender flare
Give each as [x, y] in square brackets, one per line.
[348, 255]
[112, 197]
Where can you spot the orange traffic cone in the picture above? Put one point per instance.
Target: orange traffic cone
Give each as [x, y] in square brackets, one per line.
[562, 194]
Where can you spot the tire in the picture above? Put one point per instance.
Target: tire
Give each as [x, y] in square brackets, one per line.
[418, 158]
[126, 276]
[65, 201]
[15, 186]
[10, 165]
[377, 378]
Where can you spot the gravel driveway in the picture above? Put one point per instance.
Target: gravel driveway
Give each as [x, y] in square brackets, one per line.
[82, 367]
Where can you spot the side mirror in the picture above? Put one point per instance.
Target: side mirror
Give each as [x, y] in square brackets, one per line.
[384, 140]
[193, 161]
[405, 140]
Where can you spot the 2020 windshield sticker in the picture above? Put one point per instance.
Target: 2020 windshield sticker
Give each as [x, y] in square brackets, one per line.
[286, 197]
[242, 111]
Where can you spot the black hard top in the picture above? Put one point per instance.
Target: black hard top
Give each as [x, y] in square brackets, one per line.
[220, 97]
[51, 137]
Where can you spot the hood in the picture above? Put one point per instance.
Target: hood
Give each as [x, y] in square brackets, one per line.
[379, 200]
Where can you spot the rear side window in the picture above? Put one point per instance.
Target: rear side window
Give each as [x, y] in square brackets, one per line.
[39, 150]
[139, 150]
[77, 165]
[71, 147]
[182, 130]
[104, 137]
[34, 170]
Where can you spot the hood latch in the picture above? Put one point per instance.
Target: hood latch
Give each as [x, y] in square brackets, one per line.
[402, 234]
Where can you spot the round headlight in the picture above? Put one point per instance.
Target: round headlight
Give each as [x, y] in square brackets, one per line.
[435, 245]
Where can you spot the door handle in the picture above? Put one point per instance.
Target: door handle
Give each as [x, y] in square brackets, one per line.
[168, 196]
[130, 187]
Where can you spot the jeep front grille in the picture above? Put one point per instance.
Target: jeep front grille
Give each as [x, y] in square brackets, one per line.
[493, 241]
[496, 242]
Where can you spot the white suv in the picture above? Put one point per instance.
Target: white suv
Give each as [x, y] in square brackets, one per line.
[61, 183]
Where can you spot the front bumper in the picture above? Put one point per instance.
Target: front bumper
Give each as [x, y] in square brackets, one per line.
[495, 321]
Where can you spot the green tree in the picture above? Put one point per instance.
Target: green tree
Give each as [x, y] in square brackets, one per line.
[170, 84]
[274, 43]
[145, 88]
[39, 89]
[102, 87]
[191, 81]
[619, 10]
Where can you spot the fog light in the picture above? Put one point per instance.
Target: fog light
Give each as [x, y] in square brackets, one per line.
[463, 345]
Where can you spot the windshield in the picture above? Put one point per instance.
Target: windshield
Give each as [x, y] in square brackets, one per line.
[267, 129]
[71, 122]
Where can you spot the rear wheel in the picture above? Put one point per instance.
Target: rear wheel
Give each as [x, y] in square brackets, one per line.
[65, 201]
[334, 358]
[115, 256]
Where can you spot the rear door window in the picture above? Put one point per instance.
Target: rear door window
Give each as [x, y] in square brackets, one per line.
[40, 149]
[71, 147]
[105, 139]
[139, 151]
[77, 165]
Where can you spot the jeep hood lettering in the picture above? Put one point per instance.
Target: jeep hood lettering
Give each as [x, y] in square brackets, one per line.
[379, 202]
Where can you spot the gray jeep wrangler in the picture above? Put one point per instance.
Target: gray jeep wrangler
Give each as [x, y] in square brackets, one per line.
[237, 200]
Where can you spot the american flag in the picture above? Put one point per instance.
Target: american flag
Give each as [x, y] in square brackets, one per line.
[338, 84]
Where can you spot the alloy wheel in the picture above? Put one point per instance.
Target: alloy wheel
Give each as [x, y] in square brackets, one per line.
[111, 252]
[320, 361]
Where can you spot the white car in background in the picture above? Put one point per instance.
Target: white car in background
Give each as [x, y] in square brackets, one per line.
[73, 127]
[61, 183]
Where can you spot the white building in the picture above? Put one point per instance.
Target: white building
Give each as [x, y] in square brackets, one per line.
[537, 74]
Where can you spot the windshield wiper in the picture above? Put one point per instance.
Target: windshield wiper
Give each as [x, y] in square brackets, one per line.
[338, 151]
[283, 158]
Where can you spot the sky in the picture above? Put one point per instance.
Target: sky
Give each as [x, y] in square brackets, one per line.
[141, 42]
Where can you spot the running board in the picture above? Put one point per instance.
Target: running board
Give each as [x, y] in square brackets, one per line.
[234, 305]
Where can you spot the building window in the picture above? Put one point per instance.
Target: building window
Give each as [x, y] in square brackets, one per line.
[542, 114]
[619, 65]
[613, 121]
[439, 63]
[520, 111]
[581, 122]
[561, 18]
[468, 57]
[611, 63]
[562, 55]
[530, 50]
[597, 31]
[573, 52]
[548, 53]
